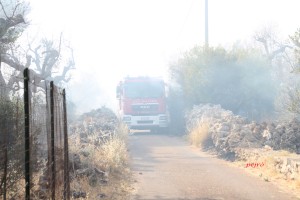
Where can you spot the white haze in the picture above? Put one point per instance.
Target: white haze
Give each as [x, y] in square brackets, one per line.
[112, 39]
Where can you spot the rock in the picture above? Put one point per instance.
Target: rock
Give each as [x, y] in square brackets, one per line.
[284, 169]
[267, 147]
[100, 172]
[86, 171]
[229, 131]
[266, 179]
[83, 135]
[78, 194]
[266, 134]
[75, 162]
[224, 128]
[84, 140]
[101, 196]
[293, 176]
[85, 153]
[94, 122]
[222, 133]
[93, 180]
[104, 181]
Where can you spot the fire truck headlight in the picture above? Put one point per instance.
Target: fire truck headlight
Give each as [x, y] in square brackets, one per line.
[126, 118]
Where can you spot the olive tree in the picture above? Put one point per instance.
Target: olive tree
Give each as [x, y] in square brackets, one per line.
[239, 80]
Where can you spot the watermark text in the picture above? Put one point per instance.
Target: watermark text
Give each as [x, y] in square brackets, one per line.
[255, 164]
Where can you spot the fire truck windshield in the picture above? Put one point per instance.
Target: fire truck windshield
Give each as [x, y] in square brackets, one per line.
[149, 89]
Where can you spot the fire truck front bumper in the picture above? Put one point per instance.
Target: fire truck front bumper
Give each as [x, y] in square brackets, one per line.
[145, 122]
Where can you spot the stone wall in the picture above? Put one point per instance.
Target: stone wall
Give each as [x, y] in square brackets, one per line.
[228, 132]
[235, 138]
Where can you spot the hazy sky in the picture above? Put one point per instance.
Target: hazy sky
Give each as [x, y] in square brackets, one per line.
[112, 39]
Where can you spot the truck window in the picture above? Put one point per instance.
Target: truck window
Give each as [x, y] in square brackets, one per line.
[144, 90]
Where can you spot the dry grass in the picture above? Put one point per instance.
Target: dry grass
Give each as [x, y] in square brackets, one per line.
[110, 156]
[114, 150]
[199, 135]
[268, 171]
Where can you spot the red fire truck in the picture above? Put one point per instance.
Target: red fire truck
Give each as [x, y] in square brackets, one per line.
[142, 103]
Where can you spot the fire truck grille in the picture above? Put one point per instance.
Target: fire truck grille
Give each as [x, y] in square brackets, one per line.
[145, 108]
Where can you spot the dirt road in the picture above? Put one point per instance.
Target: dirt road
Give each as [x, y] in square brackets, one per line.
[167, 168]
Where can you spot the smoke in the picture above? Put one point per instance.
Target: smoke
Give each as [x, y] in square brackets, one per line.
[239, 80]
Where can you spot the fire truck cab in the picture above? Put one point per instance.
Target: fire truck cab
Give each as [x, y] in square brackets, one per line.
[142, 103]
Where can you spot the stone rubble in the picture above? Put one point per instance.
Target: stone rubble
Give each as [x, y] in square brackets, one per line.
[102, 122]
[229, 133]
[92, 128]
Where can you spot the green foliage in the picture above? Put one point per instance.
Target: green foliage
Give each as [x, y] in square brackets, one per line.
[288, 101]
[293, 101]
[11, 118]
[296, 41]
[239, 80]
[11, 144]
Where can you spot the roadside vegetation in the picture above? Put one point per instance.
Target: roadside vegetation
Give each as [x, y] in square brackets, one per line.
[269, 151]
[242, 103]
[258, 81]
[199, 135]
[99, 157]
[278, 167]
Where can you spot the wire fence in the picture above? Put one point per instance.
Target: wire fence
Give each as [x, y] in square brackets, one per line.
[33, 138]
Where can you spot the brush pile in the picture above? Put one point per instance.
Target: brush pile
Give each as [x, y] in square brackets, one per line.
[100, 123]
[97, 152]
[228, 132]
[235, 138]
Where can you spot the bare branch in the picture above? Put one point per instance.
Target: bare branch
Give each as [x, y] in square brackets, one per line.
[2, 81]
[14, 80]
[278, 51]
[289, 60]
[3, 10]
[28, 61]
[59, 46]
[12, 62]
[15, 9]
[36, 60]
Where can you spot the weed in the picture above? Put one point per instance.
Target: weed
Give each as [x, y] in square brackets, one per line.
[114, 151]
[199, 135]
[107, 154]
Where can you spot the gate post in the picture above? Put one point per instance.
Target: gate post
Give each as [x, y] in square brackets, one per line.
[27, 132]
[66, 151]
[52, 140]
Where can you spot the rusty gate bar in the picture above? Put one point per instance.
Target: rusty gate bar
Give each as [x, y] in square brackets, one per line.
[52, 140]
[66, 151]
[27, 132]
[5, 163]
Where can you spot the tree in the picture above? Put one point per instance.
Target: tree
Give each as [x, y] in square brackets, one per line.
[296, 42]
[272, 46]
[12, 24]
[47, 57]
[44, 58]
[288, 102]
[239, 80]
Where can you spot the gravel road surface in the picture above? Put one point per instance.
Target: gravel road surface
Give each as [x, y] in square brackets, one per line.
[167, 168]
